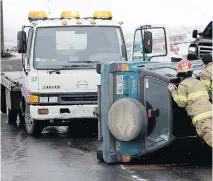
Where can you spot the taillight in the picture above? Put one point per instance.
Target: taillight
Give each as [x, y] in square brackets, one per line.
[174, 48]
[124, 158]
[122, 68]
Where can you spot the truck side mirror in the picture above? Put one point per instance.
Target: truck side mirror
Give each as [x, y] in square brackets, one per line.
[148, 42]
[98, 68]
[194, 34]
[21, 42]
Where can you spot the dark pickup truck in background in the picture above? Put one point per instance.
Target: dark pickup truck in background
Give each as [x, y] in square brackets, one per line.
[202, 44]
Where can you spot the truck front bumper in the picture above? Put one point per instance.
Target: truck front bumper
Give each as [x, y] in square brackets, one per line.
[60, 112]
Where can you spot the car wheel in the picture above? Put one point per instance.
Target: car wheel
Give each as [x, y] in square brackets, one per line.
[100, 156]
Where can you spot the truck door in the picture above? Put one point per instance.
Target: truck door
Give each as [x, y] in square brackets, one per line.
[157, 100]
[160, 45]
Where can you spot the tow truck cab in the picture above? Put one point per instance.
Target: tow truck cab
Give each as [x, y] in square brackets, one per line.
[202, 44]
[138, 115]
[59, 61]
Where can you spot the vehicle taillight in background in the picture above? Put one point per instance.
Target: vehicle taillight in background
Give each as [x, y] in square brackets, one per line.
[174, 48]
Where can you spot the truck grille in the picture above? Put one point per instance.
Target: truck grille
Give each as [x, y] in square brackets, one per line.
[204, 48]
[87, 98]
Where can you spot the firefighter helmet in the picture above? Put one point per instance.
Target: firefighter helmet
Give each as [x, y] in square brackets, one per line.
[184, 66]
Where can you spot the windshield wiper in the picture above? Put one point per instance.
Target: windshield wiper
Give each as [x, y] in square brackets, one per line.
[56, 71]
[86, 61]
[70, 66]
[73, 66]
[81, 64]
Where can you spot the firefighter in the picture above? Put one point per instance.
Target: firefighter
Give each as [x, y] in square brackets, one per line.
[206, 74]
[192, 95]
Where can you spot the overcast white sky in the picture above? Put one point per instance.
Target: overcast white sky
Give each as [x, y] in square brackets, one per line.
[134, 12]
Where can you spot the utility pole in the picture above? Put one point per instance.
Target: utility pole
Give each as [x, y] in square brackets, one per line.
[2, 28]
[49, 2]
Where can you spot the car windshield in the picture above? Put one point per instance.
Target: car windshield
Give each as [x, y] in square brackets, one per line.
[63, 47]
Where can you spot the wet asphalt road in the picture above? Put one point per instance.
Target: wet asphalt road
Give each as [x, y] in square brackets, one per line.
[57, 156]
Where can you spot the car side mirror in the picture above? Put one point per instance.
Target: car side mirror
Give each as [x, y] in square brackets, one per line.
[21, 42]
[148, 42]
[194, 34]
[98, 68]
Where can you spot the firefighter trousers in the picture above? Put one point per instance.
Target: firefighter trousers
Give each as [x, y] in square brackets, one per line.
[204, 130]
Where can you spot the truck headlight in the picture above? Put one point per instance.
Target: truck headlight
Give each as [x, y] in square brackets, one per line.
[192, 49]
[53, 99]
[43, 99]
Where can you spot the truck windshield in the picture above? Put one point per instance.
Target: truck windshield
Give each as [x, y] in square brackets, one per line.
[59, 47]
[207, 33]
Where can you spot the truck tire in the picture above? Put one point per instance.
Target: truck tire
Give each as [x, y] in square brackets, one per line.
[33, 127]
[21, 121]
[3, 101]
[21, 116]
[11, 116]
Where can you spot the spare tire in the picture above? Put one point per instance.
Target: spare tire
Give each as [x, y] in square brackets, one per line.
[127, 118]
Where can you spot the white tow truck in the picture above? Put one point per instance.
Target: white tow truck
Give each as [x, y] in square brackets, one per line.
[59, 81]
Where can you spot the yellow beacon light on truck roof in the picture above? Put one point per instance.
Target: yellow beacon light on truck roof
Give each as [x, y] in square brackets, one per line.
[102, 15]
[37, 15]
[70, 14]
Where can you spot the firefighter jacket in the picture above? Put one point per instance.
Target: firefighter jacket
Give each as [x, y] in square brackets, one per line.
[206, 78]
[192, 95]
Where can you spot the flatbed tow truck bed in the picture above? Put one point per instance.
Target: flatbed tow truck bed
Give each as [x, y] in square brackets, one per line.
[12, 80]
[11, 94]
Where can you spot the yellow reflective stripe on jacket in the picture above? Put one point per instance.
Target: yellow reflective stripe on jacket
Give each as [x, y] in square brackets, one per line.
[206, 82]
[190, 96]
[180, 98]
[202, 116]
[197, 94]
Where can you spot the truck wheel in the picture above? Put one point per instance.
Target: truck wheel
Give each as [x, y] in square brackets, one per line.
[21, 120]
[21, 116]
[100, 156]
[11, 116]
[3, 101]
[33, 127]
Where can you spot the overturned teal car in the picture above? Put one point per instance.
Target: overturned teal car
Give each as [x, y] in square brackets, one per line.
[136, 113]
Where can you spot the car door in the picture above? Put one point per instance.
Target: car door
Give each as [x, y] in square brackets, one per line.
[156, 98]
